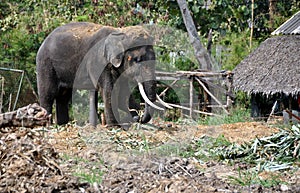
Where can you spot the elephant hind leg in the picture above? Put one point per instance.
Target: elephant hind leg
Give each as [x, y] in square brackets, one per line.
[62, 106]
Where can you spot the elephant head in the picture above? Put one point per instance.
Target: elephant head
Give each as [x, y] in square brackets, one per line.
[139, 63]
[126, 53]
[140, 58]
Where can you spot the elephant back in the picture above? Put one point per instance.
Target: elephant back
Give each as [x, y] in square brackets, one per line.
[138, 36]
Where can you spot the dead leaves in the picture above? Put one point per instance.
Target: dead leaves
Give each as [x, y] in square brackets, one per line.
[29, 164]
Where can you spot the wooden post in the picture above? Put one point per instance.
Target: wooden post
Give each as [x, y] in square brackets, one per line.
[2, 93]
[207, 100]
[229, 89]
[191, 97]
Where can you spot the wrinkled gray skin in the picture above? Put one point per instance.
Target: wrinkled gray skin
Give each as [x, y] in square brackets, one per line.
[90, 56]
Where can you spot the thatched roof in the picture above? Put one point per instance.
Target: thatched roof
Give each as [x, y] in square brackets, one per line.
[274, 67]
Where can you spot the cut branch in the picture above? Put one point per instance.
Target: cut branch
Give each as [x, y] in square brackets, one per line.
[29, 116]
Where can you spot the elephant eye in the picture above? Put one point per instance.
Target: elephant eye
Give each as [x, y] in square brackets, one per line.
[138, 59]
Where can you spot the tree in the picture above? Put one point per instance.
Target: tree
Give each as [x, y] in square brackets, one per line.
[200, 52]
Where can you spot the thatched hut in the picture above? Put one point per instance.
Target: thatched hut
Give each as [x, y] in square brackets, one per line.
[272, 68]
[272, 73]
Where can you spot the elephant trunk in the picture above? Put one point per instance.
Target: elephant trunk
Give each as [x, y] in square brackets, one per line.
[148, 92]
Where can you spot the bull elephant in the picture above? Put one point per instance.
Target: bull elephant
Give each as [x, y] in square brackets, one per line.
[89, 56]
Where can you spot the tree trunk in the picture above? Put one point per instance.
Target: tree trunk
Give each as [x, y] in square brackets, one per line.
[272, 11]
[200, 52]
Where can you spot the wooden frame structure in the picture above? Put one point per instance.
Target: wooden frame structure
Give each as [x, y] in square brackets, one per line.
[204, 79]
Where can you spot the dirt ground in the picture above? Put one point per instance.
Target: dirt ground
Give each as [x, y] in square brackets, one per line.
[140, 159]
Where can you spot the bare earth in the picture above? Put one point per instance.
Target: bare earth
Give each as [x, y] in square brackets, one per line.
[141, 159]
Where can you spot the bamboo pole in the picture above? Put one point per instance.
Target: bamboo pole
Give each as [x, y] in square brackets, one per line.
[9, 103]
[2, 93]
[19, 90]
[252, 23]
[212, 96]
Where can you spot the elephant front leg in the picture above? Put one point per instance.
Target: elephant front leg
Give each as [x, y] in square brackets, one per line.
[93, 107]
[110, 106]
[133, 108]
[128, 104]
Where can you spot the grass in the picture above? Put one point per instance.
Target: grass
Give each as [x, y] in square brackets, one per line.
[170, 149]
[273, 154]
[92, 176]
[238, 114]
[248, 178]
[87, 170]
[206, 148]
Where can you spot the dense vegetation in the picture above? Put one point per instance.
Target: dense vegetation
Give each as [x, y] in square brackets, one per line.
[25, 24]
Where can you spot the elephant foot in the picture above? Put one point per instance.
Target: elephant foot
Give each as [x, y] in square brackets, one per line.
[124, 126]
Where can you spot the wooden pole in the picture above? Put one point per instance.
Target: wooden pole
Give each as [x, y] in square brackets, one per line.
[252, 23]
[2, 93]
[292, 115]
[191, 97]
[229, 94]
[166, 89]
[9, 103]
[19, 90]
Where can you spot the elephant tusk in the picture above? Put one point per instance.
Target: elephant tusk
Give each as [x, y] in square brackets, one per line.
[163, 102]
[147, 100]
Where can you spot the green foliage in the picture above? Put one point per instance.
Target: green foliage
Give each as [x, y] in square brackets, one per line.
[275, 152]
[248, 178]
[235, 49]
[272, 154]
[87, 170]
[206, 148]
[171, 150]
[25, 24]
[94, 175]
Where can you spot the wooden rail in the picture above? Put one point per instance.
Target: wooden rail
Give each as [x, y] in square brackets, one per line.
[203, 79]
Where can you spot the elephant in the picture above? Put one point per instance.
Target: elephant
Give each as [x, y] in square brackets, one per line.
[83, 55]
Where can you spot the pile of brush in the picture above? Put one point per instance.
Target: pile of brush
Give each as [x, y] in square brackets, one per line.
[274, 152]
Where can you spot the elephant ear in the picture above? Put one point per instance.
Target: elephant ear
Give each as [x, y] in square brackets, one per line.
[114, 48]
